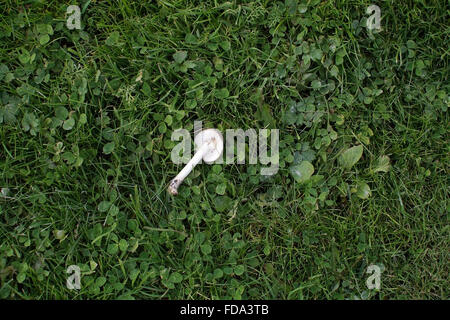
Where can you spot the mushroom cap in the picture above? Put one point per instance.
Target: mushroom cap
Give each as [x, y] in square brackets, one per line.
[214, 138]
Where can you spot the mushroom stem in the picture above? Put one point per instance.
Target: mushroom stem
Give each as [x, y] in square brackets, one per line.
[210, 146]
[176, 182]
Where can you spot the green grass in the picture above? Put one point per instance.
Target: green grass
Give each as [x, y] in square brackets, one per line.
[85, 150]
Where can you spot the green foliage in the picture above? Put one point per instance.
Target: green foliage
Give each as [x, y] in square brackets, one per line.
[363, 190]
[86, 118]
[351, 156]
[302, 172]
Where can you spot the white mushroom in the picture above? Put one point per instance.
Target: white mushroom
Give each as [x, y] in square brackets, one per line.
[209, 144]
